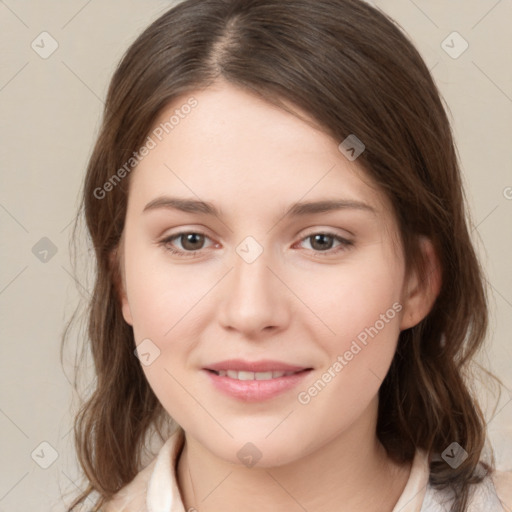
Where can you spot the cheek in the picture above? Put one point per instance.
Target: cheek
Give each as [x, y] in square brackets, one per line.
[348, 299]
[162, 296]
[356, 323]
[167, 303]
[167, 310]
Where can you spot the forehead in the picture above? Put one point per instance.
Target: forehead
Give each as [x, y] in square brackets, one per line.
[233, 147]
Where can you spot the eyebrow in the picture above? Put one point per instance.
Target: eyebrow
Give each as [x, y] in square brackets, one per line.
[296, 209]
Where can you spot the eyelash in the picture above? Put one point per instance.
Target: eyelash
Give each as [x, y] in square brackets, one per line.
[188, 254]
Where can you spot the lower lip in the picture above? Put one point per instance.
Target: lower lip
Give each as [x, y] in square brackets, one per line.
[256, 390]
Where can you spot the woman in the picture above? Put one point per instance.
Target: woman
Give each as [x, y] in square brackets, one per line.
[285, 277]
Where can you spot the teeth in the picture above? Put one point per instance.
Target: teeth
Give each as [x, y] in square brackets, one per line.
[242, 375]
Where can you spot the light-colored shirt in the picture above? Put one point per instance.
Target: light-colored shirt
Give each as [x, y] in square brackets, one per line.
[155, 488]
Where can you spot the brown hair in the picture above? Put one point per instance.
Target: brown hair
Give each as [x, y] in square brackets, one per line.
[349, 67]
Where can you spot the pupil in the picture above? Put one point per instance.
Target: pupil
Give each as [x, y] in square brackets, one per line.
[322, 237]
[192, 238]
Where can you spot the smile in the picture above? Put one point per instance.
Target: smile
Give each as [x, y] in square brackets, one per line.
[244, 375]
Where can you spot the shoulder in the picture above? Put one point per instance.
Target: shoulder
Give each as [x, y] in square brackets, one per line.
[492, 494]
[132, 497]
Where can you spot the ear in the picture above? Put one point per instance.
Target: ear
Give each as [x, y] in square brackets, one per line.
[117, 268]
[421, 291]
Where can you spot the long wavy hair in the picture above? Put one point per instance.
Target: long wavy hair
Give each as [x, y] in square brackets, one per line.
[354, 71]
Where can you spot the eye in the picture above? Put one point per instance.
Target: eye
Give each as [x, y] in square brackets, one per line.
[322, 242]
[191, 242]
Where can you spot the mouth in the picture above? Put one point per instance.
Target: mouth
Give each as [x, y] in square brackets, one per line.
[245, 375]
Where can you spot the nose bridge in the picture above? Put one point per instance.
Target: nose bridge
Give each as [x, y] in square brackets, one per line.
[254, 299]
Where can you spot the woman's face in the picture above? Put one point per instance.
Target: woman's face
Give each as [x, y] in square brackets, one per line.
[317, 288]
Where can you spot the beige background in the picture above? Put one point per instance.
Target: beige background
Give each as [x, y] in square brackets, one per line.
[50, 111]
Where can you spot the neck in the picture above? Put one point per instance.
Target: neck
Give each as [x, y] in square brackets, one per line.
[351, 470]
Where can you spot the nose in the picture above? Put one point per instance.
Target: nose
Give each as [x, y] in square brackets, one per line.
[255, 297]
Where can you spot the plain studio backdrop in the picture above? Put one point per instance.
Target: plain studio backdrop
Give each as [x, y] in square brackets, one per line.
[56, 61]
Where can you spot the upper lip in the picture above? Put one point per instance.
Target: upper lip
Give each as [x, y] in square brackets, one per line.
[266, 365]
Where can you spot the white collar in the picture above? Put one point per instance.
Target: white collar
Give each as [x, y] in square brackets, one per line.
[163, 494]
